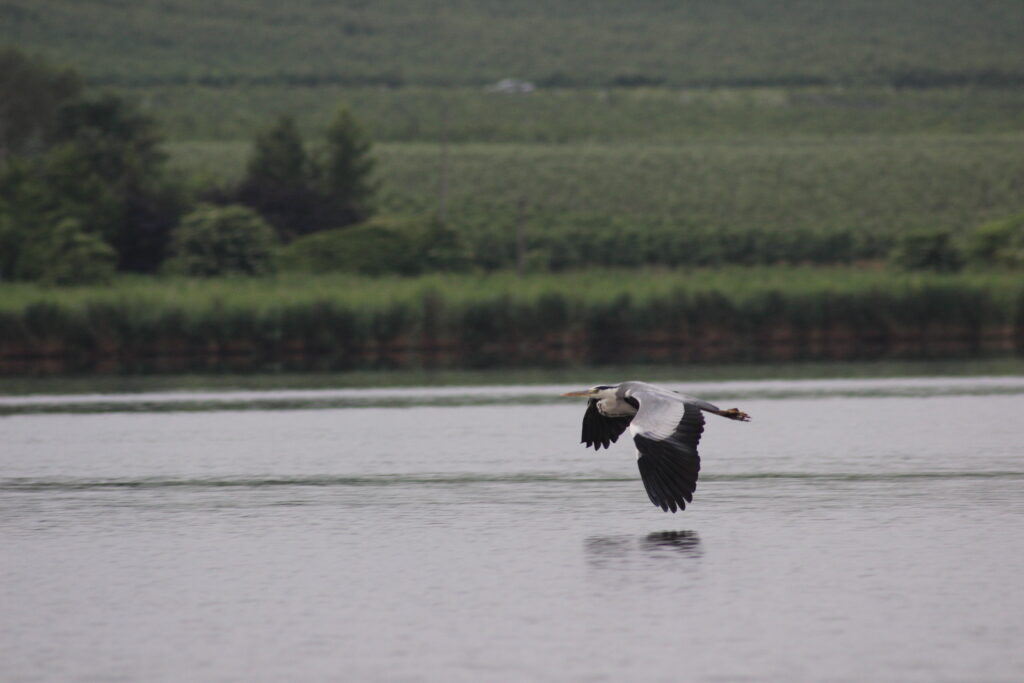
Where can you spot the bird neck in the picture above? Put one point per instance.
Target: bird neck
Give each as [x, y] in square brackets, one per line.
[613, 406]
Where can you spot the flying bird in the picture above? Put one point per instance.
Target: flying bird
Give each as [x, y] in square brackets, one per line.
[666, 427]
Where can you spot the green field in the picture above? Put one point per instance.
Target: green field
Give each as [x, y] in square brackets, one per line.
[683, 133]
[566, 116]
[571, 42]
[805, 199]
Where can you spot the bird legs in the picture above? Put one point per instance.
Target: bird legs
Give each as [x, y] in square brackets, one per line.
[734, 414]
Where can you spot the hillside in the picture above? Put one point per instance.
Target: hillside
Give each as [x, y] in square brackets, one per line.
[568, 43]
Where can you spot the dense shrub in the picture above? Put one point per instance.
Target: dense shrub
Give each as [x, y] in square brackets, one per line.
[76, 257]
[215, 240]
[998, 242]
[405, 246]
[927, 250]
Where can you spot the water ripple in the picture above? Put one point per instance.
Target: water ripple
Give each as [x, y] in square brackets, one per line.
[321, 399]
[76, 484]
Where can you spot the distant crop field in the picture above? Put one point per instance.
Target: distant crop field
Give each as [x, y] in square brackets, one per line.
[571, 42]
[625, 204]
[565, 116]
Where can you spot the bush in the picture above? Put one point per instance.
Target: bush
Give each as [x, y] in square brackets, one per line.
[998, 242]
[215, 240]
[926, 250]
[75, 257]
[405, 246]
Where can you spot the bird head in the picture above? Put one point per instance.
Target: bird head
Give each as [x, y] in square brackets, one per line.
[598, 392]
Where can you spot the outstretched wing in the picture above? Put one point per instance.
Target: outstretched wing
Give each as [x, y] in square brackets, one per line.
[599, 430]
[666, 430]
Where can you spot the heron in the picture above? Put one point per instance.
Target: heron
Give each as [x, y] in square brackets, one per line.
[666, 427]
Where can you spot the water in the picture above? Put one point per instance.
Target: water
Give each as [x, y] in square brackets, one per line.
[855, 530]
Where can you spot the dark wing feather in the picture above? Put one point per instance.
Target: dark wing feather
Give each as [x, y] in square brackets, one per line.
[669, 467]
[599, 430]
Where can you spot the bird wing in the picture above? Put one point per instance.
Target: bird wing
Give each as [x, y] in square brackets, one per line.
[599, 430]
[666, 430]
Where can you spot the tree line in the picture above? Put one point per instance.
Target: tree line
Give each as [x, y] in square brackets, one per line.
[85, 188]
[86, 191]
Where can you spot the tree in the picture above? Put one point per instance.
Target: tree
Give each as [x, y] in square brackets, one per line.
[300, 193]
[32, 93]
[222, 240]
[95, 159]
[122, 146]
[279, 180]
[37, 195]
[346, 180]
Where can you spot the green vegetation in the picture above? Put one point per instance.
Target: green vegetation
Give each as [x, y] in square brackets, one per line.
[300, 192]
[84, 186]
[96, 162]
[596, 316]
[382, 245]
[573, 42]
[765, 201]
[563, 116]
[885, 139]
[998, 242]
[228, 240]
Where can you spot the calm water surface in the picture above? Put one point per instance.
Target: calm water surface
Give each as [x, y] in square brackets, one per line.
[855, 530]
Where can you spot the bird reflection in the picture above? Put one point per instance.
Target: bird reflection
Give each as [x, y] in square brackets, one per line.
[684, 542]
[619, 551]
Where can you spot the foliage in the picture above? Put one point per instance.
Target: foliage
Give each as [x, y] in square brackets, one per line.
[279, 180]
[37, 195]
[223, 240]
[76, 257]
[299, 193]
[93, 159]
[122, 147]
[32, 93]
[591, 316]
[385, 244]
[999, 242]
[345, 172]
[927, 250]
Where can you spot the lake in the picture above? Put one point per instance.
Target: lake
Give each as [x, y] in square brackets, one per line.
[856, 529]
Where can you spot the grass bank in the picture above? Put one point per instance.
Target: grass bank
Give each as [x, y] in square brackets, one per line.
[592, 317]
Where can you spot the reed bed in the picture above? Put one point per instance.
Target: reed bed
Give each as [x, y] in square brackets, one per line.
[594, 316]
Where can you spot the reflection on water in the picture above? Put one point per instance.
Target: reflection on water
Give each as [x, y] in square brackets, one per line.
[685, 543]
[622, 551]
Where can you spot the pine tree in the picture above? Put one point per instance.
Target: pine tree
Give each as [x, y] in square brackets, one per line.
[346, 171]
[279, 180]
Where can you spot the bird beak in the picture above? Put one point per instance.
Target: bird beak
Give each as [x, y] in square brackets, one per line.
[578, 393]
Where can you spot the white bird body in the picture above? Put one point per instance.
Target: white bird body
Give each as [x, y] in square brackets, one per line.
[666, 427]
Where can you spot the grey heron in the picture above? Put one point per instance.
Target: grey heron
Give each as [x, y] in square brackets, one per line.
[666, 427]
